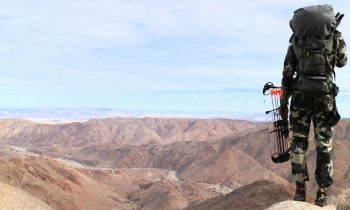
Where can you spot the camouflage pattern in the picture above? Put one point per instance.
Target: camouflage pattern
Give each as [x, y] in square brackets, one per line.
[318, 109]
[342, 56]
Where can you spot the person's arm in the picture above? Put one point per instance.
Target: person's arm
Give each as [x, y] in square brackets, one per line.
[289, 68]
[341, 50]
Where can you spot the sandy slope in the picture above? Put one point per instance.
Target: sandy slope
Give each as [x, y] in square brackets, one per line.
[12, 198]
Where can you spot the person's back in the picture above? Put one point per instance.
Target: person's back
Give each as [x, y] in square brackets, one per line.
[316, 47]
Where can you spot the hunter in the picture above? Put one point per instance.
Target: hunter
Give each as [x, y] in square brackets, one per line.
[315, 49]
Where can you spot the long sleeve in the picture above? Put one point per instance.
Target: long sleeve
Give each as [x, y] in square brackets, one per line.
[341, 50]
[289, 68]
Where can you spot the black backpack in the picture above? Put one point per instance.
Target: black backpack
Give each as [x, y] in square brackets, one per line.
[315, 47]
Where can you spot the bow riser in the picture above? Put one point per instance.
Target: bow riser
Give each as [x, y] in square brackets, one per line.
[277, 128]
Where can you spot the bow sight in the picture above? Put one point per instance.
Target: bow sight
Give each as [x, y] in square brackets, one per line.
[278, 127]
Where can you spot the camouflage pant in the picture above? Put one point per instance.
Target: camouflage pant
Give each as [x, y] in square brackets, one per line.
[320, 110]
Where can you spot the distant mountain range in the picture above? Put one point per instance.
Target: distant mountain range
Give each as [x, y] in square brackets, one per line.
[83, 114]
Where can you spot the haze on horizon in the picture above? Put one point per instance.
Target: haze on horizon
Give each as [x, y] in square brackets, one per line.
[196, 56]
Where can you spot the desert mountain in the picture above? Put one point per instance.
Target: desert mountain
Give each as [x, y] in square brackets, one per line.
[65, 186]
[120, 131]
[150, 163]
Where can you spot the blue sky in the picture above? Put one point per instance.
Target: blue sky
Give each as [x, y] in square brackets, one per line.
[169, 56]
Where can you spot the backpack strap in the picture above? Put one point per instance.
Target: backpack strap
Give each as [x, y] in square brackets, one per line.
[324, 52]
[335, 52]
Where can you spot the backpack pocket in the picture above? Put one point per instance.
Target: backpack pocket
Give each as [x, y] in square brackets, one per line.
[315, 85]
[314, 62]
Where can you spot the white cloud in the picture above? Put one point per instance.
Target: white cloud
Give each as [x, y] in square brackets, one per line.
[230, 43]
[56, 25]
[68, 26]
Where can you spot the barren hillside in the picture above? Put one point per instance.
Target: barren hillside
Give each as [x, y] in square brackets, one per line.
[150, 163]
[258, 196]
[120, 131]
[12, 198]
[66, 187]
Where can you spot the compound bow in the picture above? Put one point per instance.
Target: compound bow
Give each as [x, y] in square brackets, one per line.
[278, 127]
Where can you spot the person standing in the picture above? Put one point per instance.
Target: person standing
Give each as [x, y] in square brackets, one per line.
[315, 49]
